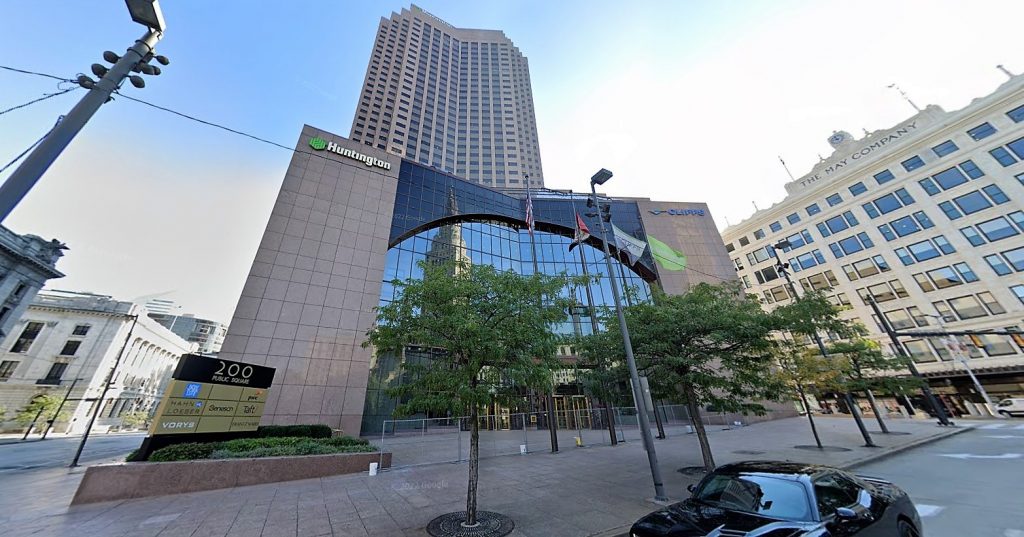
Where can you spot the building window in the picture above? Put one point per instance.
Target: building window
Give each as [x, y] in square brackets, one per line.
[967, 307]
[834, 199]
[28, 335]
[7, 368]
[950, 210]
[793, 218]
[70, 347]
[1017, 114]
[972, 202]
[1018, 291]
[80, 330]
[1015, 258]
[950, 178]
[775, 226]
[759, 234]
[990, 302]
[971, 169]
[813, 209]
[998, 265]
[996, 194]
[981, 131]
[858, 189]
[923, 251]
[55, 372]
[744, 241]
[945, 148]
[883, 177]
[912, 163]
[1003, 157]
[996, 229]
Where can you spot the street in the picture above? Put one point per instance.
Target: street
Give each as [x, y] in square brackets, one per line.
[56, 452]
[966, 485]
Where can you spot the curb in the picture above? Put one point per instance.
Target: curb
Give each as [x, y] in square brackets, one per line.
[905, 447]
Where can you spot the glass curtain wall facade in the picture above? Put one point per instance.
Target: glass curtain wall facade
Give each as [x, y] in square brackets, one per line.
[464, 222]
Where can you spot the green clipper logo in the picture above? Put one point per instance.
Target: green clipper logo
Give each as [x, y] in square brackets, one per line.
[320, 144]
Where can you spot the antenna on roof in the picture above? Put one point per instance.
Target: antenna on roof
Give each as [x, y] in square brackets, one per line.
[904, 94]
[1005, 71]
[791, 178]
[755, 206]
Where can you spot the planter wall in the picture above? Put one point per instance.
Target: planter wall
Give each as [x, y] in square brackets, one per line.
[141, 479]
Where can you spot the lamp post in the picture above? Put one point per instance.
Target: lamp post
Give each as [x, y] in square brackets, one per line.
[956, 348]
[145, 12]
[600, 178]
[783, 268]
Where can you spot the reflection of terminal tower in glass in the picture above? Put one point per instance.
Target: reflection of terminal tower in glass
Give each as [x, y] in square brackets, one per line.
[448, 245]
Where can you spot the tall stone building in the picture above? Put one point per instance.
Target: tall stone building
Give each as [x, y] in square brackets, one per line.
[452, 98]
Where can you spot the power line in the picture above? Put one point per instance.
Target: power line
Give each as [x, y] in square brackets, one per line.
[23, 153]
[43, 98]
[55, 77]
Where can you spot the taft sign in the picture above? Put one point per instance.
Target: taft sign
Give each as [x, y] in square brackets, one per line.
[321, 145]
[210, 395]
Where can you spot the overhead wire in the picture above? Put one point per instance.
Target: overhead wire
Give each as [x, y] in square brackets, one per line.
[31, 147]
[43, 98]
[23, 71]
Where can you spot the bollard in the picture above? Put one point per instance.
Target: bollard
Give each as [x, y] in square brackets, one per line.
[373, 468]
[579, 441]
[522, 449]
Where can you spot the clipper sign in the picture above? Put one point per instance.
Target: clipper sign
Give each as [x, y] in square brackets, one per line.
[678, 212]
[320, 144]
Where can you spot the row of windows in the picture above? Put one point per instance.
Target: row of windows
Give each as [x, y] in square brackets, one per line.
[837, 223]
[850, 245]
[1006, 262]
[908, 225]
[972, 202]
[869, 266]
[951, 178]
[993, 230]
[924, 250]
[888, 203]
[944, 277]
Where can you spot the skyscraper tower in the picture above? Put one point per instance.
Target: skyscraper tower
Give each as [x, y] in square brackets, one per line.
[453, 98]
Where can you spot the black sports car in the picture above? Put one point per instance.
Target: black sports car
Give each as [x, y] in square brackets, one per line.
[784, 499]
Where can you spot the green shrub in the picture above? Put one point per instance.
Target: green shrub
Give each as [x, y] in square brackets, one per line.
[133, 456]
[188, 451]
[346, 441]
[306, 431]
[288, 446]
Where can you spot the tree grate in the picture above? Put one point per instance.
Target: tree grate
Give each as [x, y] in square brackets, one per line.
[489, 524]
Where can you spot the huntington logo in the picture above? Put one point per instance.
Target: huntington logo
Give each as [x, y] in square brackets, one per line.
[320, 144]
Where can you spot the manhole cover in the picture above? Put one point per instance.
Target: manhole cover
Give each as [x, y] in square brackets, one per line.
[692, 470]
[748, 452]
[489, 524]
[835, 449]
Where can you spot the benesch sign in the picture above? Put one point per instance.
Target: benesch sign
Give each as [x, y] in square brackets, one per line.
[678, 212]
[320, 144]
[863, 152]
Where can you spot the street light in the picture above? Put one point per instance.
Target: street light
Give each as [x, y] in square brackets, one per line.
[956, 348]
[136, 59]
[601, 178]
[783, 269]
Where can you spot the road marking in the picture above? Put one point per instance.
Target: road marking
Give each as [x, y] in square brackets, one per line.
[161, 519]
[993, 426]
[973, 456]
[1003, 436]
[1013, 533]
[1019, 427]
[926, 510]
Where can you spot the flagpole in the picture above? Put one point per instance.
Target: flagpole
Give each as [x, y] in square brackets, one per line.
[552, 422]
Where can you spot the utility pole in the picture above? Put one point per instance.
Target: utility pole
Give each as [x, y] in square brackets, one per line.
[638, 395]
[783, 268]
[20, 182]
[929, 397]
[56, 415]
[103, 394]
[956, 348]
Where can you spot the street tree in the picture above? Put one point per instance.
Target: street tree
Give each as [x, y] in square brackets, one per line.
[869, 370]
[134, 419]
[802, 370]
[490, 336]
[712, 346]
[601, 371]
[40, 409]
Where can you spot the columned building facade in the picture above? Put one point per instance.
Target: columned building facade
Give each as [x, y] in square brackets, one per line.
[350, 219]
[926, 217]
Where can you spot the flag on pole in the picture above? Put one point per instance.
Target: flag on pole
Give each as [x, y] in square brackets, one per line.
[529, 211]
[666, 257]
[582, 233]
[628, 244]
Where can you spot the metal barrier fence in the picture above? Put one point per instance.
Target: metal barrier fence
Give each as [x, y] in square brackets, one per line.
[414, 442]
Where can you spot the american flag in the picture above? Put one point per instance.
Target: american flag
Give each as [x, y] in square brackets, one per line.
[529, 211]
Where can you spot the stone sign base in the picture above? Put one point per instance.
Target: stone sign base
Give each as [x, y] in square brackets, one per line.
[106, 483]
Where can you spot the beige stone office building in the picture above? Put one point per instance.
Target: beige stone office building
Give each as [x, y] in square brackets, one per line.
[456, 99]
[928, 218]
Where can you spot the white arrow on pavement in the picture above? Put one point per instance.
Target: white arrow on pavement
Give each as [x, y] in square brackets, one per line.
[963, 456]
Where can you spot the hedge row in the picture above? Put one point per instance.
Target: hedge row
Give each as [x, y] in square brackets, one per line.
[308, 431]
[261, 447]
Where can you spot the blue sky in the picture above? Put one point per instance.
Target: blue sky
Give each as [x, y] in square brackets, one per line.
[683, 100]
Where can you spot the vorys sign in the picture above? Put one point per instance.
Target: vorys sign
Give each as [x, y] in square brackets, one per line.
[678, 212]
[320, 145]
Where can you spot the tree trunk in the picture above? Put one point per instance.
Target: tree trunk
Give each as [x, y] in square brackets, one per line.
[878, 415]
[810, 418]
[474, 465]
[698, 426]
[658, 423]
[611, 423]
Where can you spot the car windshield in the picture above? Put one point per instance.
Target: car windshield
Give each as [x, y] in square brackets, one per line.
[763, 495]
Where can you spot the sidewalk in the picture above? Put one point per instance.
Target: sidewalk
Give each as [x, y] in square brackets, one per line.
[580, 491]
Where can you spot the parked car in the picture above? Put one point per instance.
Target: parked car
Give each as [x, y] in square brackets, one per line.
[1011, 407]
[784, 499]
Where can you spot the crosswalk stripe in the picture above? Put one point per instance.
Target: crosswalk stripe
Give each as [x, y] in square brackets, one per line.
[926, 510]
[993, 426]
[1020, 427]
[1013, 533]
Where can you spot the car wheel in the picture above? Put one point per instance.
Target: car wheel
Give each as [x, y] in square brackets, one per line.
[1004, 413]
[906, 529]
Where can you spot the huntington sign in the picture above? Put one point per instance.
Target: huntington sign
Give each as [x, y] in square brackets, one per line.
[320, 145]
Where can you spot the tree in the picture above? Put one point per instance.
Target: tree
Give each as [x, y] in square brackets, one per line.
[134, 419]
[801, 369]
[48, 404]
[491, 337]
[870, 370]
[712, 345]
[602, 370]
